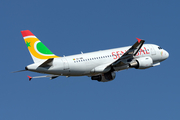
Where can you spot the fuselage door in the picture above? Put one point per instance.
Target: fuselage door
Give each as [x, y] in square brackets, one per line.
[153, 52]
[65, 63]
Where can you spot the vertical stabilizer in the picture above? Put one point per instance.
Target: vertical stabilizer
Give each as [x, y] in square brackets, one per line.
[37, 49]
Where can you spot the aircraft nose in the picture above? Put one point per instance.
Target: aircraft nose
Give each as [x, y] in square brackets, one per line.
[166, 54]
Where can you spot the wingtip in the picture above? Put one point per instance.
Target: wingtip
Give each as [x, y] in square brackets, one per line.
[139, 40]
[29, 78]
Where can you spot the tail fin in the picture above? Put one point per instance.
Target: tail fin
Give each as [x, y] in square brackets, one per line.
[37, 49]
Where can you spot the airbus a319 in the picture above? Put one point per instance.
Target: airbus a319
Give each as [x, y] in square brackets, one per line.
[100, 65]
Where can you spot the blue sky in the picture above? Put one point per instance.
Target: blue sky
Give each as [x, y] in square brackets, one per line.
[69, 27]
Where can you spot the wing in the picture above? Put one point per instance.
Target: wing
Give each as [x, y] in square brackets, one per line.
[129, 54]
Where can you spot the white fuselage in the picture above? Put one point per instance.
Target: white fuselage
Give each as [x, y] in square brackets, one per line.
[85, 63]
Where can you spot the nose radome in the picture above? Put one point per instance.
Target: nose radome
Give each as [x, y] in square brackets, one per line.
[166, 54]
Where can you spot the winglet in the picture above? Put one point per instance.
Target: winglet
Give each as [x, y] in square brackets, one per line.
[29, 78]
[139, 40]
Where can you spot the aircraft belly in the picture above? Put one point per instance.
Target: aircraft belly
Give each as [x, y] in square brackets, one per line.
[82, 70]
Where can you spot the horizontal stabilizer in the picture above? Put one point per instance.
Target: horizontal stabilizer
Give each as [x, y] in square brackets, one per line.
[51, 77]
[47, 63]
[18, 71]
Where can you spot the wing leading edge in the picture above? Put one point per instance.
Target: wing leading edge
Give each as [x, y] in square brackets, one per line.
[129, 54]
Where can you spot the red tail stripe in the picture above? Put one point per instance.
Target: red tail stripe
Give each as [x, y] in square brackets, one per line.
[26, 33]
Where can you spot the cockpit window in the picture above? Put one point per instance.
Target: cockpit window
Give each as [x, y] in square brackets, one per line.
[159, 48]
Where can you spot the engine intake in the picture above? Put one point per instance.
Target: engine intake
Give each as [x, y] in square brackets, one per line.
[142, 63]
[105, 77]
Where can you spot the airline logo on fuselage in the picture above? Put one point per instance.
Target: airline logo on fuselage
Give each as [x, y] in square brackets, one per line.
[114, 55]
[118, 54]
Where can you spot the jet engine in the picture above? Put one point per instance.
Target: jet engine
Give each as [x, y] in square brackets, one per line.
[142, 63]
[105, 77]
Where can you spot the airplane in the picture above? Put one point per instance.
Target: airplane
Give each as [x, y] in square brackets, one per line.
[100, 65]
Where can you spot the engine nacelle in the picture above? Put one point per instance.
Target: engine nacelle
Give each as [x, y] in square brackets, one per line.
[105, 77]
[142, 63]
